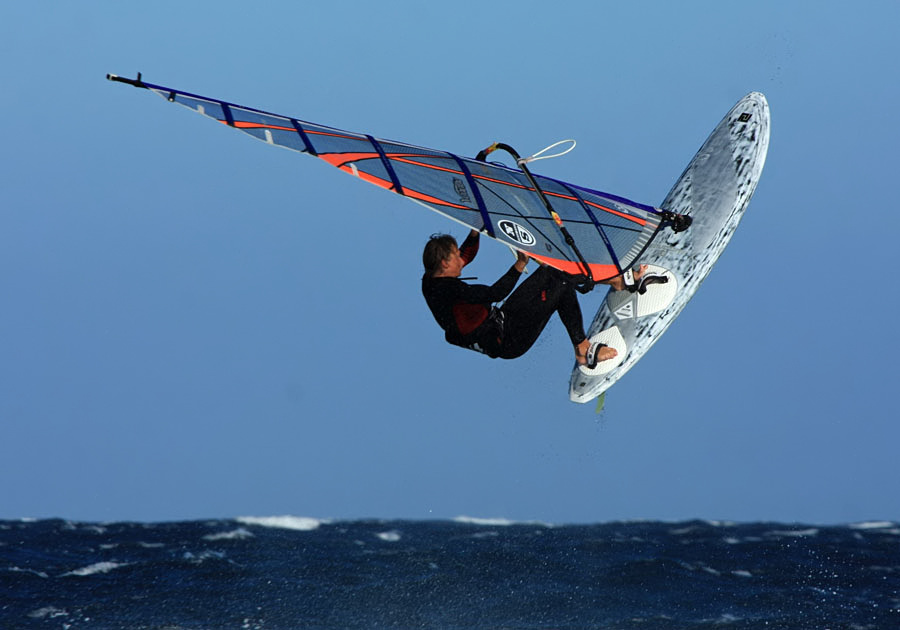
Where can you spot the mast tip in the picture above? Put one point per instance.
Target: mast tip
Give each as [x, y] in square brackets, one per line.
[135, 82]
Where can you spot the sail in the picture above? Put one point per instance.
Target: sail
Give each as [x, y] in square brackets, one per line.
[609, 232]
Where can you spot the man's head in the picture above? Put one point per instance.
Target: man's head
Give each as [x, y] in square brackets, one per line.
[441, 256]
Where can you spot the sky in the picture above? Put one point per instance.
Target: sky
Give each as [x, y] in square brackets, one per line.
[195, 325]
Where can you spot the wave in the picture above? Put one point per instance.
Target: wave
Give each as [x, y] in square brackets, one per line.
[236, 534]
[40, 574]
[48, 612]
[873, 525]
[298, 523]
[812, 531]
[495, 522]
[93, 569]
[391, 536]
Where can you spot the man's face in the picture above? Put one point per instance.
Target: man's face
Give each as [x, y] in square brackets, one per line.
[453, 264]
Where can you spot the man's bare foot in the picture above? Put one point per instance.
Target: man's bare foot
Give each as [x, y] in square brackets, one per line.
[604, 353]
[618, 283]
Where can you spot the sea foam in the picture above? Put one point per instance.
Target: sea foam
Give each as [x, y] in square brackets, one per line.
[236, 534]
[798, 533]
[872, 525]
[300, 523]
[391, 536]
[495, 522]
[97, 567]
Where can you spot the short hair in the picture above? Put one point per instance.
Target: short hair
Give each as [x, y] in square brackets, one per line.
[438, 248]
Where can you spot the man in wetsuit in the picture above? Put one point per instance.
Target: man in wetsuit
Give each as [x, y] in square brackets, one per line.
[469, 318]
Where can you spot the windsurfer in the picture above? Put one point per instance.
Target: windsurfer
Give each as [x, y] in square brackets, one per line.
[469, 318]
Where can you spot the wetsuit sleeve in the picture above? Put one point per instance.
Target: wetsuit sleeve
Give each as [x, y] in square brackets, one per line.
[469, 248]
[483, 294]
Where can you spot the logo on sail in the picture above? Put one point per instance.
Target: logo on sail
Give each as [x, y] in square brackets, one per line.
[516, 232]
[461, 191]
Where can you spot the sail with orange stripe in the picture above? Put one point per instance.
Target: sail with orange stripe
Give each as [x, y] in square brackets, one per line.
[610, 231]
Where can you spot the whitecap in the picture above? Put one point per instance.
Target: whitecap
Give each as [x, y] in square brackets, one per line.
[236, 534]
[200, 558]
[47, 612]
[812, 531]
[495, 522]
[40, 574]
[684, 530]
[872, 525]
[391, 536]
[742, 573]
[97, 567]
[300, 523]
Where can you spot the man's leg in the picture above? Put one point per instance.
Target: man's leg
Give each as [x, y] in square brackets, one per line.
[530, 307]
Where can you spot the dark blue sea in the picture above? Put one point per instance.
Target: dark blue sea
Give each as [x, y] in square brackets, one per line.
[296, 573]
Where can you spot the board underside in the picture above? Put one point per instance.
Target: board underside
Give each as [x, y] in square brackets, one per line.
[714, 190]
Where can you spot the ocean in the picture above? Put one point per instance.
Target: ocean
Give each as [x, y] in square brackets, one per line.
[296, 573]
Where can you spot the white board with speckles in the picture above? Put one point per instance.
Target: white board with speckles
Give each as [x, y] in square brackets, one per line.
[714, 190]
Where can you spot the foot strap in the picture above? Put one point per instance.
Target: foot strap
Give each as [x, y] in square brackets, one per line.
[641, 285]
[678, 222]
[591, 356]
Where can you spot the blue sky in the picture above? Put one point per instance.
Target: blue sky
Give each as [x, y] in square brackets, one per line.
[197, 325]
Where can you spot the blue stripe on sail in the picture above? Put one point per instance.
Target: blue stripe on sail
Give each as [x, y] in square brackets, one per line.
[306, 141]
[229, 118]
[482, 208]
[387, 164]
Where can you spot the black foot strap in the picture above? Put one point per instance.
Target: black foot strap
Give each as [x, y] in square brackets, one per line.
[678, 222]
[591, 356]
[641, 285]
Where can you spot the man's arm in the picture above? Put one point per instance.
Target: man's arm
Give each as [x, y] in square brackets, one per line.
[521, 261]
[484, 294]
[469, 247]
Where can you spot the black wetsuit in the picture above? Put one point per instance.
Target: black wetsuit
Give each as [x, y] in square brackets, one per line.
[469, 319]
